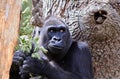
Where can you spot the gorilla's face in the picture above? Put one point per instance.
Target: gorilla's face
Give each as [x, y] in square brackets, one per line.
[55, 37]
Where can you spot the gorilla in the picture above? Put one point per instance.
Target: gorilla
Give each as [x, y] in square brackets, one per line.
[66, 59]
[36, 32]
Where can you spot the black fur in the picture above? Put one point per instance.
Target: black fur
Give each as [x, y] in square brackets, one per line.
[67, 59]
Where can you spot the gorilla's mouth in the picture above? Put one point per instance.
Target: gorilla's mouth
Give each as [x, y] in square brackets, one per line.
[55, 48]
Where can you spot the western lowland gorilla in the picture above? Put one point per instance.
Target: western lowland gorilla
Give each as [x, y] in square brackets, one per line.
[66, 59]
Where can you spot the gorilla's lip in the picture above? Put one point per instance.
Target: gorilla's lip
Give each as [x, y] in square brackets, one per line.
[56, 47]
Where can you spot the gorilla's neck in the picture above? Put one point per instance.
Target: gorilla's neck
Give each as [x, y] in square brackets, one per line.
[55, 57]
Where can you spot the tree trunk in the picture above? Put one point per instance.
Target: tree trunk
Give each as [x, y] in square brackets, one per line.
[9, 25]
[94, 21]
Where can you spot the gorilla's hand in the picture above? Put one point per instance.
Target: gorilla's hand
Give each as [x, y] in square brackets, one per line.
[34, 66]
[24, 74]
[18, 58]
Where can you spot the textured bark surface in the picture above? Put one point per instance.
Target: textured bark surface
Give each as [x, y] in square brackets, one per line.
[9, 24]
[94, 21]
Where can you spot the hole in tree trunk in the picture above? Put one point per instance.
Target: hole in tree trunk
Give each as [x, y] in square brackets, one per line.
[100, 16]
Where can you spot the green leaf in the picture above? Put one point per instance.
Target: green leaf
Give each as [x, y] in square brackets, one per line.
[36, 55]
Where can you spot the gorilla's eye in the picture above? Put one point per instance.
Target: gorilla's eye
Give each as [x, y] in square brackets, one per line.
[52, 30]
[62, 30]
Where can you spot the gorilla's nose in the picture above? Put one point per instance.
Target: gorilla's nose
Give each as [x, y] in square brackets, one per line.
[56, 38]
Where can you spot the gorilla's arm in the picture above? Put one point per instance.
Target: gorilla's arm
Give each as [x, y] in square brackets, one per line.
[18, 58]
[44, 68]
[78, 61]
[59, 73]
[84, 61]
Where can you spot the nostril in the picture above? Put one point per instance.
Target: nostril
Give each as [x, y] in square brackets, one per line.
[100, 16]
[56, 39]
[59, 39]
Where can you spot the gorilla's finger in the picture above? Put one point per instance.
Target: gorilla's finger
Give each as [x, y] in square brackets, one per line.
[23, 71]
[16, 61]
[22, 55]
[19, 53]
[24, 76]
[18, 58]
[25, 67]
[25, 62]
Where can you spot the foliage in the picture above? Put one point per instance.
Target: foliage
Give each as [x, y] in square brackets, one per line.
[25, 38]
[25, 26]
[26, 43]
[26, 46]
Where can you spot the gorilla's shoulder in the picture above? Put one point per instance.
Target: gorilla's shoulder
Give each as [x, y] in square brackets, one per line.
[82, 45]
[84, 48]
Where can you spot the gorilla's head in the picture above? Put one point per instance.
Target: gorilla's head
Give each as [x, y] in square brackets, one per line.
[55, 37]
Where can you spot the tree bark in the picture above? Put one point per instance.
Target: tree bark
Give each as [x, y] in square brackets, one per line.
[9, 25]
[94, 21]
